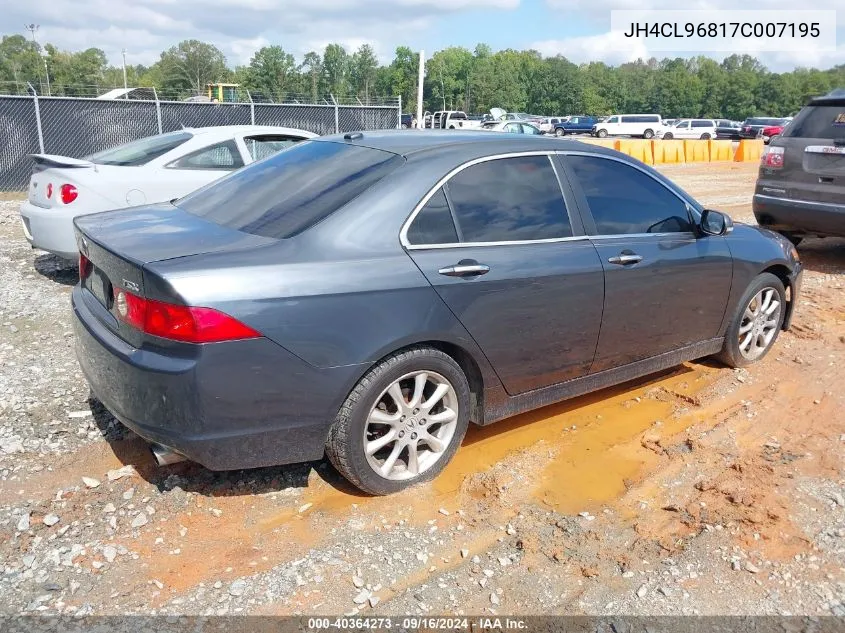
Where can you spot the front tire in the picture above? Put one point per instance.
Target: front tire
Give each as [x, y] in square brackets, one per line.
[757, 322]
[668, 136]
[560, 132]
[601, 133]
[402, 423]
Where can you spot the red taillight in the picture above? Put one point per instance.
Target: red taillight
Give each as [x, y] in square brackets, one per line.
[49, 190]
[772, 157]
[85, 267]
[179, 323]
[68, 193]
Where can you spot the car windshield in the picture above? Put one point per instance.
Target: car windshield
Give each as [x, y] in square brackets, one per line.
[142, 151]
[288, 192]
[821, 121]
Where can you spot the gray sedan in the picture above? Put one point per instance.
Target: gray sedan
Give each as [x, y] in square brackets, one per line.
[367, 296]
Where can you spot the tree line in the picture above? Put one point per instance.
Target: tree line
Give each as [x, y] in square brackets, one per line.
[456, 78]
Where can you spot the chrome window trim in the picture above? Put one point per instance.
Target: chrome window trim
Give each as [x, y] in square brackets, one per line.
[690, 208]
[403, 232]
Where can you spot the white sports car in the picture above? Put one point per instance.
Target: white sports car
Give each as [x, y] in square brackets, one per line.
[154, 169]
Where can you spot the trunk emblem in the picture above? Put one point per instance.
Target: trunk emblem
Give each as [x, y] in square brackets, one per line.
[131, 286]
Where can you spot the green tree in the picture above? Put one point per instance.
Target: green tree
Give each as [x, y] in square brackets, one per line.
[312, 64]
[402, 76]
[271, 71]
[20, 62]
[336, 64]
[363, 70]
[189, 67]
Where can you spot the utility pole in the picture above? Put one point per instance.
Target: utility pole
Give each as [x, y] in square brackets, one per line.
[125, 87]
[32, 28]
[420, 118]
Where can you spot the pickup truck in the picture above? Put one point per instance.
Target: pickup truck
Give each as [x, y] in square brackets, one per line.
[575, 125]
[454, 120]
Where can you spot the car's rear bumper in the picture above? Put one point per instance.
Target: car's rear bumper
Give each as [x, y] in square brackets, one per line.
[239, 404]
[50, 230]
[799, 216]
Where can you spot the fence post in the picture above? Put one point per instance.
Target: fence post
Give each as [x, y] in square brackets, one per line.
[37, 118]
[158, 111]
[251, 108]
[336, 115]
[399, 124]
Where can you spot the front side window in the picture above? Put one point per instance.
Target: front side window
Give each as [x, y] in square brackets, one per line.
[624, 200]
[613, 119]
[142, 151]
[509, 199]
[220, 156]
[529, 129]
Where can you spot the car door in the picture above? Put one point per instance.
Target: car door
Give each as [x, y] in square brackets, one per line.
[505, 250]
[666, 286]
[682, 130]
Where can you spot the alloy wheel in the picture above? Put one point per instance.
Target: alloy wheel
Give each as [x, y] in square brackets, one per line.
[411, 425]
[760, 322]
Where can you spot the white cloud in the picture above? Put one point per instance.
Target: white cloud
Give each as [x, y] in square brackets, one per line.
[604, 47]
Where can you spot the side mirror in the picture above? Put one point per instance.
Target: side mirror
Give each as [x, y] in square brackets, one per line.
[715, 223]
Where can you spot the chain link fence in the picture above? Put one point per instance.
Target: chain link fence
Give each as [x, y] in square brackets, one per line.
[78, 127]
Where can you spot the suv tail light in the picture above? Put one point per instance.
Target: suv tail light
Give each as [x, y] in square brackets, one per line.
[68, 193]
[772, 157]
[177, 322]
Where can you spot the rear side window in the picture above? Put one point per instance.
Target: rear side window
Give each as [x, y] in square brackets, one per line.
[220, 156]
[142, 151]
[624, 200]
[509, 199]
[263, 145]
[433, 224]
[821, 121]
[293, 190]
[702, 124]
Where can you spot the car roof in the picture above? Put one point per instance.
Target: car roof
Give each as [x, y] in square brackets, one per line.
[224, 131]
[834, 97]
[472, 143]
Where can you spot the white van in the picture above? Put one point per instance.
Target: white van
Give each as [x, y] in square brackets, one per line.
[690, 128]
[644, 125]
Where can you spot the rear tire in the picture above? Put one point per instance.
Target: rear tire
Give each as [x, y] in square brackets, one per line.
[757, 322]
[648, 134]
[705, 137]
[358, 444]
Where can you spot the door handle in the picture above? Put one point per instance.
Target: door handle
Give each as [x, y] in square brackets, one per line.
[625, 260]
[465, 270]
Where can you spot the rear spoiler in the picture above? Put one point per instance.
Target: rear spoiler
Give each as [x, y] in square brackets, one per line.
[54, 160]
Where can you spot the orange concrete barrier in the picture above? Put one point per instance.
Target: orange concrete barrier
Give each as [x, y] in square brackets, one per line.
[612, 143]
[749, 150]
[671, 151]
[697, 151]
[639, 149]
[721, 150]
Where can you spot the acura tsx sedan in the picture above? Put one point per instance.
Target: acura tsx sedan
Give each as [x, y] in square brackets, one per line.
[366, 296]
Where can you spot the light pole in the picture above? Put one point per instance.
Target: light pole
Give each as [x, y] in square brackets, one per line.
[32, 28]
[125, 88]
[44, 55]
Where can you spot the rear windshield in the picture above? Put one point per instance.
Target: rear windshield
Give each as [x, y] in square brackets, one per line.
[142, 151]
[288, 192]
[822, 121]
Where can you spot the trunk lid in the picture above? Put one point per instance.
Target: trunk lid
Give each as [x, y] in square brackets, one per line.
[49, 172]
[814, 154]
[118, 245]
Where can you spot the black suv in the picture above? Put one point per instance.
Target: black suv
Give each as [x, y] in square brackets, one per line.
[801, 185]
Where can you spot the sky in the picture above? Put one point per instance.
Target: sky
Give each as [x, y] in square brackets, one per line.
[578, 29]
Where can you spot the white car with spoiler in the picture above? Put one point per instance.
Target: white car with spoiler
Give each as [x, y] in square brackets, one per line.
[154, 169]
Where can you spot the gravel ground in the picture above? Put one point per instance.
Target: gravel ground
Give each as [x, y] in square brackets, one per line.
[700, 490]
